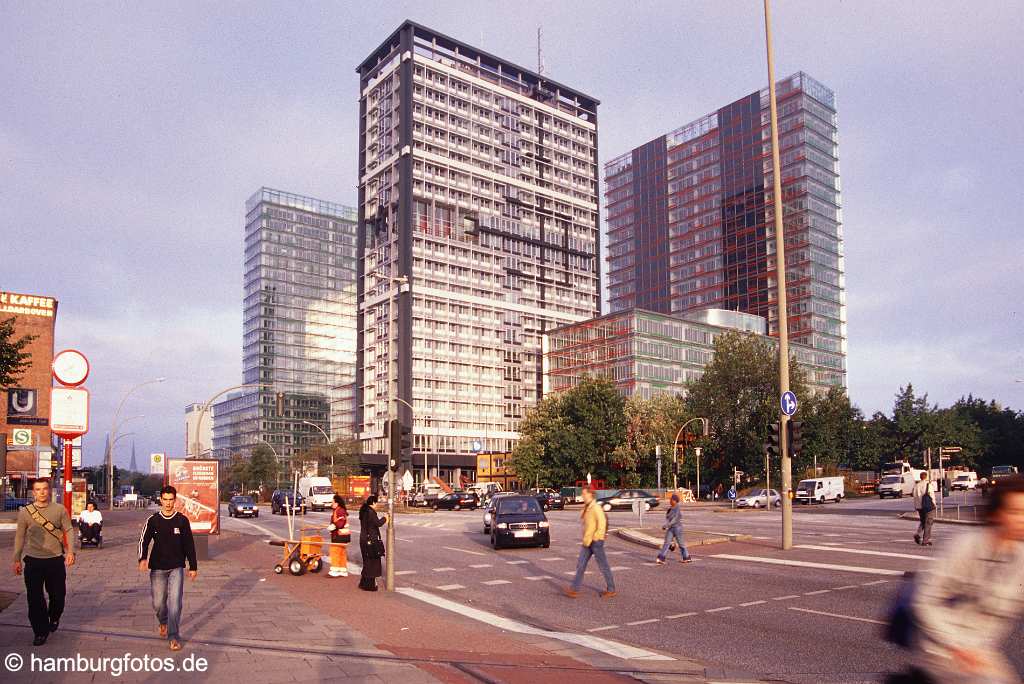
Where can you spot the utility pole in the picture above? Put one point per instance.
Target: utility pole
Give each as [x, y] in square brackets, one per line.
[780, 271]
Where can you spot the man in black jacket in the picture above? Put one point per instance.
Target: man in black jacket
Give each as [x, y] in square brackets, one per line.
[171, 535]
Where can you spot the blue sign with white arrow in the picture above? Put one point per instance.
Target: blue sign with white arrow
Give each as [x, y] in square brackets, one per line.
[788, 403]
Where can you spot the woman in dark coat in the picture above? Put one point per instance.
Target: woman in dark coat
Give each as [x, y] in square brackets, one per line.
[369, 530]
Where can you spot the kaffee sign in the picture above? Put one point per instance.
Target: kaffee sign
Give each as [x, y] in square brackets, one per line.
[27, 305]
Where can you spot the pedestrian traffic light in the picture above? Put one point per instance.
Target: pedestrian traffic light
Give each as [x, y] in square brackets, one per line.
[796, 436]
[772, 447]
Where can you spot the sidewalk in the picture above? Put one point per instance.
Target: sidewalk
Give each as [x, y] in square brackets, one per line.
[254, 626]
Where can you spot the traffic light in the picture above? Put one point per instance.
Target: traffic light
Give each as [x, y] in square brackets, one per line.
[117, 475]
[772, 447]
[400, 443]
[796, 436]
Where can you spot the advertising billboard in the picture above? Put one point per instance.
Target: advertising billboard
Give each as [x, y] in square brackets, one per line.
[198, 485]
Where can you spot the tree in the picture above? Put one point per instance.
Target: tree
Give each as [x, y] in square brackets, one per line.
[345, 454]
[739, 394]
[14, 360]
[650, 423]
[571, 434]
[263, 467]
[833, 432]
[1000, 432]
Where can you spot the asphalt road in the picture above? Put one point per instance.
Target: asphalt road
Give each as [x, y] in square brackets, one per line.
[811, 614]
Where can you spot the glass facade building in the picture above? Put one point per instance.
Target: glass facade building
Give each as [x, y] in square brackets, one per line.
[646, 353]
[478, 185]
[299, 326]
[691, 219]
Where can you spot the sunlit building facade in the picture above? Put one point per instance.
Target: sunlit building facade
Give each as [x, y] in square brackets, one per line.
[299, 329]
[691, 219]
[478, 185]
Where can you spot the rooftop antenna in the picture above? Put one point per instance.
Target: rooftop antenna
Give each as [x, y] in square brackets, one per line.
[540, 54]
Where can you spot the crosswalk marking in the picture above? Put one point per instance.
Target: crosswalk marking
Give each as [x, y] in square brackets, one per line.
[481, 565]
[516, 562]
[864, 552]
[816, 593]
[450, 587]
[603, 629]
[492, 583]
[642, 622]
[752, 603]
[474, 553]
[848, 586]
[620, 567]
[679, 615]
[718, 610]
[553, 558]
[808, 564]
[786, 598]
[534, 578]
[405, 572]
[444, 569]
[871, 584]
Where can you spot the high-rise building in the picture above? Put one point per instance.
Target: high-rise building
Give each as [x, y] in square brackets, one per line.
[691, 222]
[299, 336]
[478, 187]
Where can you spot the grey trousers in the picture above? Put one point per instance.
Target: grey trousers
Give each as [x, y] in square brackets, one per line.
[924, 529]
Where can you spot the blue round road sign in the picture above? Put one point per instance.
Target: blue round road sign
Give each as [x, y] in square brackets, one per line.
[788, 403]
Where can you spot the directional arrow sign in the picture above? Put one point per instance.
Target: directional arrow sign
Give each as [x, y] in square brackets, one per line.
[788, 403]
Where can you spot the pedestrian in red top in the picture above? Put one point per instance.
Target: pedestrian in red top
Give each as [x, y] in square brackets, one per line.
[340, 535]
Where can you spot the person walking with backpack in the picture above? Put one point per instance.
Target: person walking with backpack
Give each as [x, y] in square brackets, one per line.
[595, 529]
[44, 541]
[924, 503]
[171, 535]
[673, 532]
[340, 535]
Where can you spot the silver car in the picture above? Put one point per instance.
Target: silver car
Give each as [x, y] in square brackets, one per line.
[489, 509]
[759, 498]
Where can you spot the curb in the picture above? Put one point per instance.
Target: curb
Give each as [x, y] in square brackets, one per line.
[944, 521]
[655, 543]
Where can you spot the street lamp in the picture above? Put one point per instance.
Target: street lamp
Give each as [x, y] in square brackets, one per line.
[327, 441]
[675, 451]
[206, 407]
[389, 560]
[113, 434]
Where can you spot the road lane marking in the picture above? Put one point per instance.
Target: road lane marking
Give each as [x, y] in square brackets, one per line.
[815, 593]
[450, 587]
[481, 565]
[590, 641]
[718, 610]
[871, 584]
[553, 558]
[614, 553]
[786, 598]
[493, 583]
[807, 564]
[836, 615]
[603, 629]
[405, 572]
[534, 578]
[752, 603]
[475, 553]
[619, 567]
[848, 586]
[864, 552]
[679, 615]
[642, 622]
[517, 562]
[444, 569]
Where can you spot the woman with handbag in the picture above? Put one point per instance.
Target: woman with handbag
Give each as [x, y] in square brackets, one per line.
[371, 546]
[340, 535]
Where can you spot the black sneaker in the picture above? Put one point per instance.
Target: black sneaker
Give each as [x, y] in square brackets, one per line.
[39, 640]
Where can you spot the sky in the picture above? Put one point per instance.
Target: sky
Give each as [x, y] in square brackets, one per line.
[132, 134]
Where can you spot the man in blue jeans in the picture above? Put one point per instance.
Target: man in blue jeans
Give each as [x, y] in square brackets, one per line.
[595, 529]
[674, 532]
[171, 535]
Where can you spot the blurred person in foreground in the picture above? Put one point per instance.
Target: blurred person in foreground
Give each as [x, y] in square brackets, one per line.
[970, 600]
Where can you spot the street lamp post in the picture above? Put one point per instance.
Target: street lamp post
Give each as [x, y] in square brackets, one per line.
[675, 451]
[113, 435]
[206, 407]
[780, 285]
[389, 559]
[327, 441]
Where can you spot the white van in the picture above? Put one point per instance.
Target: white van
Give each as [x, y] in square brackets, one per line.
[965, 481]
[896, 486]
[820, 490]
[318, 492]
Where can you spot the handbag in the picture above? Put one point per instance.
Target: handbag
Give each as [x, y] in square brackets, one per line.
[902, 628]
[376, 547]
[927, 504]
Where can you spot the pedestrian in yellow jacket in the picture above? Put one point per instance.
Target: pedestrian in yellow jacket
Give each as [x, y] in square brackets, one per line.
[595, 529]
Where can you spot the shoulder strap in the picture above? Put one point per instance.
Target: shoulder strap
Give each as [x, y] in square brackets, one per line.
[44, 523]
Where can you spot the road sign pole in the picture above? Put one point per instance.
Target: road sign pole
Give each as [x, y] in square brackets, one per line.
[67, 475]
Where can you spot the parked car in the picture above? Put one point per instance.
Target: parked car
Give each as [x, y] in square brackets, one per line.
[548, 499]
[519, 521]
[965, 481]
[281, 499]
[13, 503]
[759, 498]
[820, 490]
[242, 506]
[624, 498]
[427, 494]
[896, 486]
[456, 501]
[489, 508]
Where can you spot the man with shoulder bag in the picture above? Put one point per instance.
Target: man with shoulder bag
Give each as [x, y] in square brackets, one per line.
[44, 541]
[924, 502]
